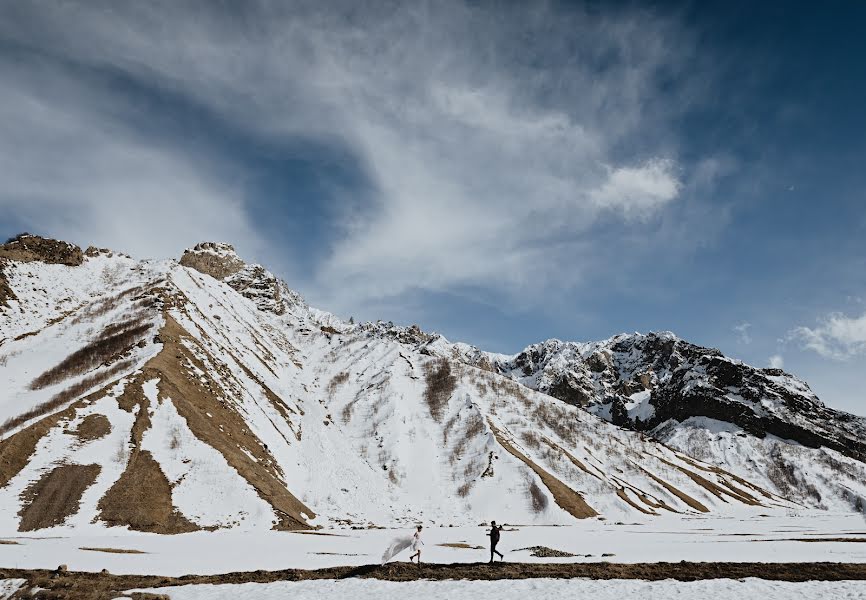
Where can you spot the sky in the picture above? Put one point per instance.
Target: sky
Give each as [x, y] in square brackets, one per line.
[499, 172]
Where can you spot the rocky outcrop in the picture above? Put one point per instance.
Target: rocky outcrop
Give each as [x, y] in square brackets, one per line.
[213, 258]
[28, 248]
[262, 287]
[220, 261]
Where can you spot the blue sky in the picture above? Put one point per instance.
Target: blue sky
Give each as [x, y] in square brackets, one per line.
[498, 172]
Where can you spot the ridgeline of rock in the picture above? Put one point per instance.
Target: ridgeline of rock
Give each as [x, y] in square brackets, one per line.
[644, 381]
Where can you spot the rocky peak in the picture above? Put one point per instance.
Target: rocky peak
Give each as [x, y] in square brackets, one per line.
[645, 381]
[216, 259]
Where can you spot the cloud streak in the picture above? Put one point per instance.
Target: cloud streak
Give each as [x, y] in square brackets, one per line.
[494, 143]
[836, 336]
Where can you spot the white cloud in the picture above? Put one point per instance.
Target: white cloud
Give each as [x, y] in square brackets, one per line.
[492, 144]
[836, 336]
[777, 361]
[639, 190]
[742, 330]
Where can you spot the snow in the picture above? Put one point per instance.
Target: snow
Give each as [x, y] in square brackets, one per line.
[8, 587]
[665, 539]
[205, 488]
[639, 406]
[614, 589]
[809, 476]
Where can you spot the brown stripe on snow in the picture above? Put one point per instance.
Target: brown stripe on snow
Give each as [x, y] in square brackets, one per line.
[714, 488]
[141, 497]
[565, 497]
[725, 474]
[193, 399]
[17, 449]
[676, 492]
[55, 496]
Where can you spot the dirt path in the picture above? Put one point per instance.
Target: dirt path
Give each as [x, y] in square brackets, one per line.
[96, 586]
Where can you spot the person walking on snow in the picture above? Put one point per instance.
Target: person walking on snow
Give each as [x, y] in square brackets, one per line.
[494, 539]
[416, 545]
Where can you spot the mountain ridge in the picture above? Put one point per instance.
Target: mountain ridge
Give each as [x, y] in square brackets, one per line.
[300, 419]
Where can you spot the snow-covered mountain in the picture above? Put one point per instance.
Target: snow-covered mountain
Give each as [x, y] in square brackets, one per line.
[171, 396]
[762, 424]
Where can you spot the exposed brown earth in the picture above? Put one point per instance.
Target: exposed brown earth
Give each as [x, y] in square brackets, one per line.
[97, 586]
[112, 343]
[462, 545]
[545, 552]
[48, 501]
[676, 492]
[113, 550]
[16, 450]
[65, 396]
[141, 499]
[92, 427]
[9, 542]
[716, 490]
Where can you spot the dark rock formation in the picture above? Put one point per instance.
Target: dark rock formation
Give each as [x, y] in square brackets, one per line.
[684, 381]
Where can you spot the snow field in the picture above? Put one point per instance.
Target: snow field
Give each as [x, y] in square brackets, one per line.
[538, 589]
[670, 539]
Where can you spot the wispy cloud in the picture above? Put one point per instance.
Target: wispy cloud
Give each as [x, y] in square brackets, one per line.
[836, 336]
[494, 142]
[742, 331]
[73, 169]
[776, 361]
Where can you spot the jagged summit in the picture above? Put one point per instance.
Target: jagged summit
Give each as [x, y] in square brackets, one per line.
[172, 396]
[253, 281]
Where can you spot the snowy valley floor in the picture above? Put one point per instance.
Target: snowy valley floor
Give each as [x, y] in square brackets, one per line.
[803, 555]
[646, 581]
[804, 537]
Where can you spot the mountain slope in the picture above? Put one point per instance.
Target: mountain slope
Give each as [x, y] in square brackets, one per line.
[762, 424]
[173, 396]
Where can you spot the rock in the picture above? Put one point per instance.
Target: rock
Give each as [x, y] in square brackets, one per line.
[213, 258]
[262, 287]
[29, 248]
[686, 381]
[93, 252]
[62, 569]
